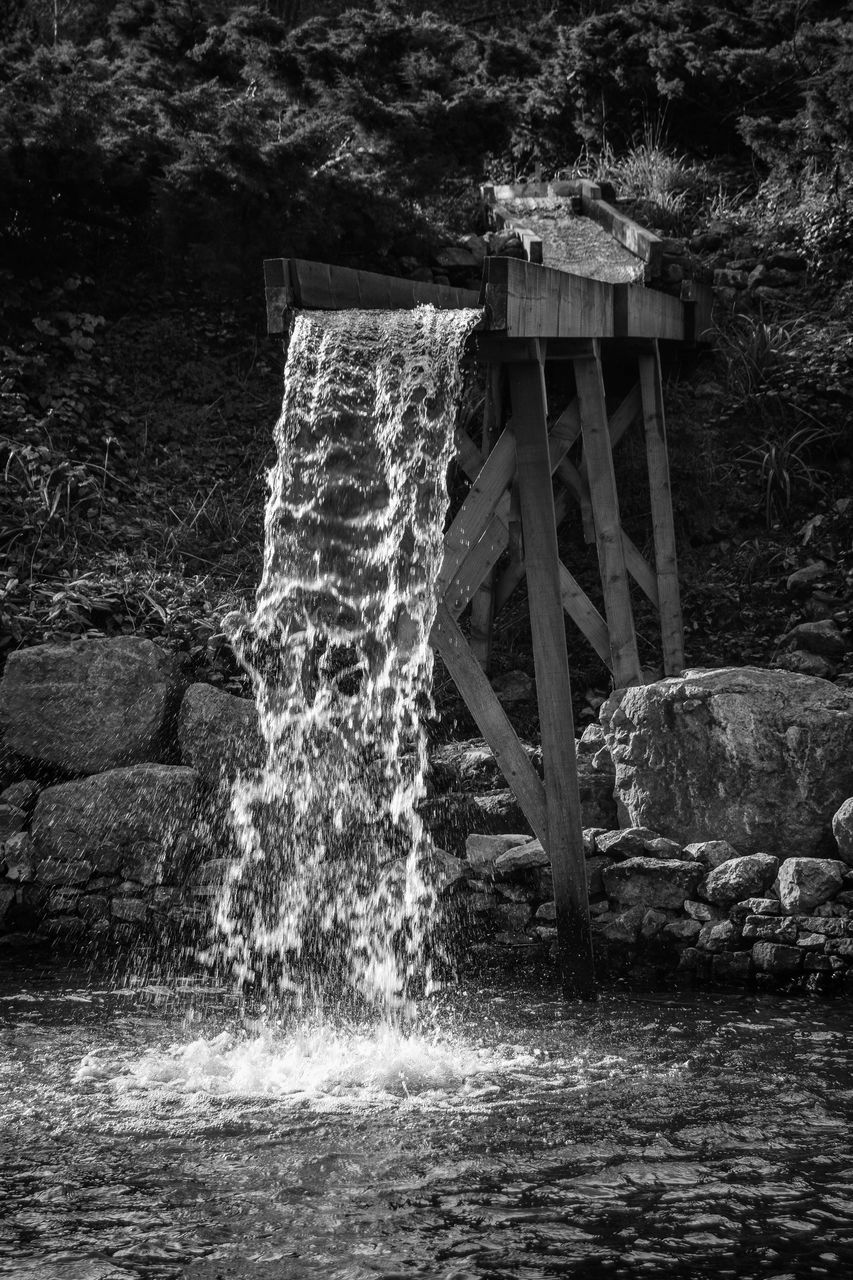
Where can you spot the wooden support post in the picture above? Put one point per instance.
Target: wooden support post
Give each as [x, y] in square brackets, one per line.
[625, 663]
[482, 605]
[565, 833]
[666, 564]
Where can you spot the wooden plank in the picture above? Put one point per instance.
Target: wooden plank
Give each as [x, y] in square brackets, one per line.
[320, 286]
[479, 562]
[530, 241]
[554, 695]
[492, 721]
[639, 312]
[584, 614]
[278, 291]
[641, 242]
[482, 605]
[477, 510]
[663, 525]
[527, 301]
[625, 661]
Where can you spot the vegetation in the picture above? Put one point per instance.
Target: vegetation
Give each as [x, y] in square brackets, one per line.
[152, 152]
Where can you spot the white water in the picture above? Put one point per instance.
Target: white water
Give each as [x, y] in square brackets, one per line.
[332, 890]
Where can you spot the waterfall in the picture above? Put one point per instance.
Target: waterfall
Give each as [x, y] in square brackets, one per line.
[333, 891]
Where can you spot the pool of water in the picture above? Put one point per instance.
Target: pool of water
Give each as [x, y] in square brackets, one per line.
[508, 1135]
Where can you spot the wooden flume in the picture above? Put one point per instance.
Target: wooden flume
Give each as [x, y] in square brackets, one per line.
[532, 315]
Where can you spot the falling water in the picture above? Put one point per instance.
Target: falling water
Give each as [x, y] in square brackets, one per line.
[332, 890]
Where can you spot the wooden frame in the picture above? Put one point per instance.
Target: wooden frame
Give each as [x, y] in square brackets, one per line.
[533, 314]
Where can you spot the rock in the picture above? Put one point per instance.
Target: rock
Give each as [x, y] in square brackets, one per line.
[647, 882]
[682, 930]
[7, 899]
[731, 966]
[801, 662]
[804, 883]
[21, 795]
[660, 847]
[811, 941]
[481, 851]
[630, 843]
[523, 858]
[759, 758]
[652, 923]
[476, 246]
[739, 878]
[711, 852]
[590, 834]
[105, 822]
[17, 854]
[596, 777]
[842, 829]
[718, 937]
[499, 809]
[728, 279]
[219, 734]
[451, 259]
[769, 929]
[131, 910]
[703, 912]
[88, 705]
[829, 927]
[591, 741]
[55, 871]
[622, 927]
[449, 871]
[819, 637]
[12, 820]
[547, 912]
[801, 580]
[773, 957]
[755, 907]
[595, 868]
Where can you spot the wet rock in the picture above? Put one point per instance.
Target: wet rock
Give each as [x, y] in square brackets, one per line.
[652, 923]
[547, 912]
[842, 829]
[103, 822]
[88, 705]
[499, 809]
[731, 966]
[12, 820]
[769, 929]
[718, 937]
[130, 910]
[482, 850]
[512, 915]
[219, 734]
[448, 871]
[630, 843]
[524, 858]
[18, 857]
[804, 883]
[773, 957]
[56, 871]
[647, 882]
[21, 795]
[711, 852]
[620, 927]
[94, 906]
[761, 759]
[739, 878]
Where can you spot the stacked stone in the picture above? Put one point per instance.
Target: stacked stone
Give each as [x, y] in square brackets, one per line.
[702, 909]
[111, 826]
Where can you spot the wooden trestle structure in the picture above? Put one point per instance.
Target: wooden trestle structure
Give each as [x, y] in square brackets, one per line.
[532, 315]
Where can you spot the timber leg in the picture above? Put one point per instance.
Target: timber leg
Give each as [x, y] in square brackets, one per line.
[565, 833]
[625, 659]
[483, 603]
[666, 564]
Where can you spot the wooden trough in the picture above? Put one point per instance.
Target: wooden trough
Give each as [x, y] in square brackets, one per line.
[533, 314]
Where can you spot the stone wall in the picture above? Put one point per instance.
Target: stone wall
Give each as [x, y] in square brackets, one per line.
[734, 861]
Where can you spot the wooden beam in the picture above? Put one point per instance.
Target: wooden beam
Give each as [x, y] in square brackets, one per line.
[491, 719]
[482, 605]
[321, 286]
[477, 510]
[527, 301]
[279, 292]
[641, 242]
[663, 525]
[639, 312]
[554, 695]
[625, 661]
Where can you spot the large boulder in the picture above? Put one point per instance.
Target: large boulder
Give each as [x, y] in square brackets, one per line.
[759, 758]
[89, 705]
[805, 883]
[842, 829]
[219, 734]
[739, 878]
[139, 823]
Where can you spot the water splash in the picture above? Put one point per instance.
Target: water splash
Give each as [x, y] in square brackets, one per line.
[332, 889]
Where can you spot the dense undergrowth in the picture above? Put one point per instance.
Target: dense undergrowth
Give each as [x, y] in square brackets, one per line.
[152, 153]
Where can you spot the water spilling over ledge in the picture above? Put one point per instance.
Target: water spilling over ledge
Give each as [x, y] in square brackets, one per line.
[332, 888]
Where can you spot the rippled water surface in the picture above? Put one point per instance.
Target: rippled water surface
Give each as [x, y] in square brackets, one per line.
[509, 1136]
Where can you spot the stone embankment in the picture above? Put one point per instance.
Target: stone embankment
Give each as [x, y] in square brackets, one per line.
[718, 813]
